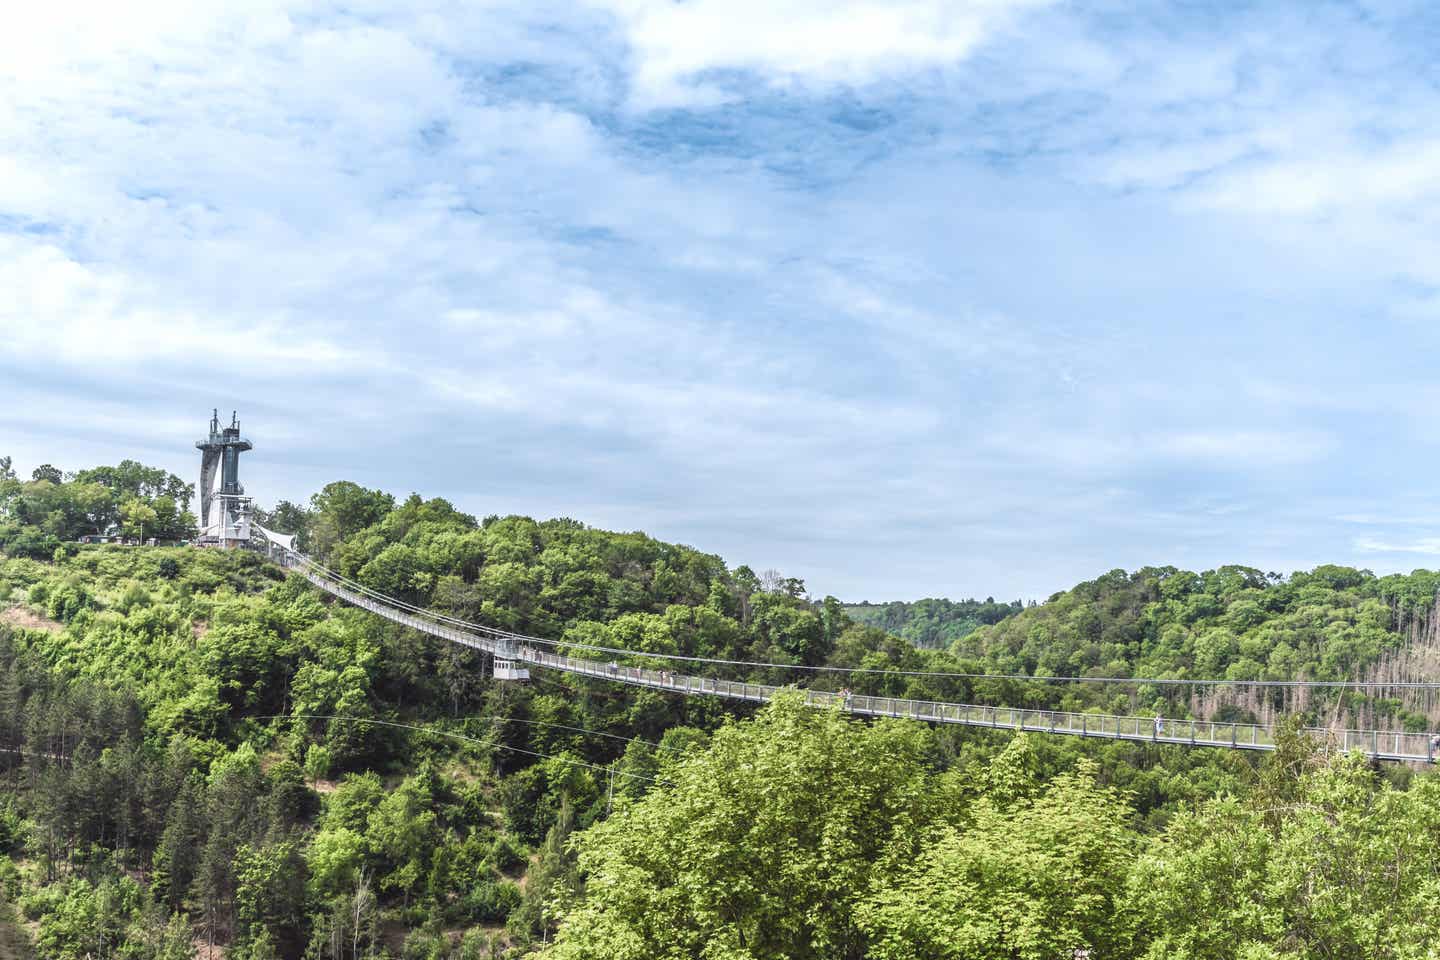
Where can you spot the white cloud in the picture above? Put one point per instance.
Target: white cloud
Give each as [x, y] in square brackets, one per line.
[444, 222]
[1165, 166]
[1245, 447]
[1389, 520]
[807, 42]
[1424, 545]
[65, 41]
[1121, 447]
[58, 310]
[1306, 123]
[1395, 177]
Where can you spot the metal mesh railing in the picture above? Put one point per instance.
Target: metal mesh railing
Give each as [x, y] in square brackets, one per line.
[1387, 745]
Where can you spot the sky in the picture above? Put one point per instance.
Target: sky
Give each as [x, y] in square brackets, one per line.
[905, 298]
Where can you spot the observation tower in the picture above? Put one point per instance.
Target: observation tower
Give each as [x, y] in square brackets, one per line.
[224, 508]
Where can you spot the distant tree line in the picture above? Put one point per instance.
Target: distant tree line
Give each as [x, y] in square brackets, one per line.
[932, 623]
[54, 507]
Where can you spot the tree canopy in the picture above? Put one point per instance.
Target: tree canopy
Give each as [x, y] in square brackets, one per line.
[55, 508]
[197, 746]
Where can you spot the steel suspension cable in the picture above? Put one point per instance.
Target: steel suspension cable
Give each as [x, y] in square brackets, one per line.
[500, 634]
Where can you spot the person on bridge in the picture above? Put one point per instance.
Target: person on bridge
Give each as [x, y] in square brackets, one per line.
[1159, 725]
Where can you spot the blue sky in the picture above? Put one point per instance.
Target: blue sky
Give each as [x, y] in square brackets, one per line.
[906, 298]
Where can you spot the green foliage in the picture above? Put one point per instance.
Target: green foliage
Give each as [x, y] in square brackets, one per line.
[335, 857]
[103, 915]
[137, 518]
[1348, 869]
[341, 510]
[270, 896]
[402, 833]
[1035, 878]
[1332, 623]
[997, 861]
[762, 847]
[554, 883]
[222, 779]
[492, 901]
[177, 857]
[505, 855]
[931, 623]
[52, 508]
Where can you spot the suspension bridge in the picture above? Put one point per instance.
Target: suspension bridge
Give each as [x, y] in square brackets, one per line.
[514, 654]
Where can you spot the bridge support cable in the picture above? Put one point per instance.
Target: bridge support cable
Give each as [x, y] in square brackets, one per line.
[1370, 688]
[1383, 745]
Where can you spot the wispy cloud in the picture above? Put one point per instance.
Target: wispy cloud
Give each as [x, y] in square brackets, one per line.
[680, 51]
[907, 298]
[1245, 447]
[1424, 545]
[58, 310]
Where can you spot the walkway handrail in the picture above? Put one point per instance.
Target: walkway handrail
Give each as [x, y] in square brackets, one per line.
[1384, 745]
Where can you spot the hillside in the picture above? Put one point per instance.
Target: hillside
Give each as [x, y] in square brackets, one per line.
[932, 623]
[197, 748]
[1236, 623]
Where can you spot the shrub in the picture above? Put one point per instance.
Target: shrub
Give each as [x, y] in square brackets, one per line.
[490, 901]
[505, 854]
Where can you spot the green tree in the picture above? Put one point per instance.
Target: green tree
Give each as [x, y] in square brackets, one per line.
[1033, 879]
[270, 895]
[760, 848]
[1345, 866]
[136, 516]
[552, 885]
[177, 858]
[402, 833]
[342, 509]
[335, 858]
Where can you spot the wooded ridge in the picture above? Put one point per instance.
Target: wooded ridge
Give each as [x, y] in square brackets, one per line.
[197, 748]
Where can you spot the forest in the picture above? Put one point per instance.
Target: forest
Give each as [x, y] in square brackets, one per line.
[932, 623]
[201, 755]
[53, 508]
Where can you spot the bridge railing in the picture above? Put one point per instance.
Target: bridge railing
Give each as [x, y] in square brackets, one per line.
[1244, 736]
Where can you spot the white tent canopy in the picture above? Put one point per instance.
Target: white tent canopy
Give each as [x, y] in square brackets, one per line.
[285, 541]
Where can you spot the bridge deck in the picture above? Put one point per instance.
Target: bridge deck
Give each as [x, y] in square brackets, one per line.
[1413, 747]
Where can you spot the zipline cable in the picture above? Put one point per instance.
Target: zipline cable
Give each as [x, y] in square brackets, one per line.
[461, 736]
[594, 733]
